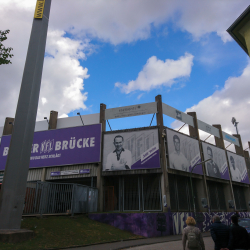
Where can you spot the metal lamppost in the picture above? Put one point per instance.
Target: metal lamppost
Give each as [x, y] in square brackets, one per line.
[192, 183]
[13, 189]
[235, 123]
[240, 30]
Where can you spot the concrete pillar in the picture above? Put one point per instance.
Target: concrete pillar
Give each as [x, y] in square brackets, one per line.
[99, 177]
[247, 193]
[246, 155]
[164, 178]
[194, 133]
[8, 126]
[239, 149]
[228, 189]
[53, 119]
[52, 125]
[219, 142]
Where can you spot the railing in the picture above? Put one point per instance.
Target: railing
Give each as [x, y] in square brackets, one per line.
[53, 198]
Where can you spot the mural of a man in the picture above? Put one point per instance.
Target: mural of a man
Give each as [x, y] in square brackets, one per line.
[120, 158]
[177, 158]
[212, 168]
[235, 172]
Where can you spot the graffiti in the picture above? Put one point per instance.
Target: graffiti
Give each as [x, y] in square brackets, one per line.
[160, 224]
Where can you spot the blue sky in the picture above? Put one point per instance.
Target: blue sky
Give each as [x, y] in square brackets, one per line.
[126, 52]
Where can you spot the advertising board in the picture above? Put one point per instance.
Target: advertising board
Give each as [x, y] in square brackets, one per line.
[217, 167]
[133, 110]
[238, 168]
[77, 145]
[177, 114]
[184, 152]
[131, 150]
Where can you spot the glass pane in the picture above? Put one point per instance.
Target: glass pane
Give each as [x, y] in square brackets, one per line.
[131, 193]
[151, 192]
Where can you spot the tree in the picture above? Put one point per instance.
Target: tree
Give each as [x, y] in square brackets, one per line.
[4, 52]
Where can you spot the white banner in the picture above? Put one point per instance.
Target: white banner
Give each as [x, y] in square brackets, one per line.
[230, 138]
[183, 152]
[208, 128]
[217, 166]
[131, 150]
[238, 168]
[70, 172]
[133, 110]
[176, 114]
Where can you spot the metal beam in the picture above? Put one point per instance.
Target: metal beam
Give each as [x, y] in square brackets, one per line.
[15, 177]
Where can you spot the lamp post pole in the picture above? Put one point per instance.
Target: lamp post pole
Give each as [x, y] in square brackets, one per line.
[13, 190]
[190, 176]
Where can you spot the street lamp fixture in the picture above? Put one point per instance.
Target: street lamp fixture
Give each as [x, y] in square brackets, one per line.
[78, 113]
[235, 123]
[240, 30]
[192, 183]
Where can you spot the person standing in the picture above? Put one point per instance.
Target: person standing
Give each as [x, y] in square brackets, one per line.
[235, 172]
[212, 168]
[219, 233]
[177, 158]
[120, 158]
[239, 238]
[192, 238]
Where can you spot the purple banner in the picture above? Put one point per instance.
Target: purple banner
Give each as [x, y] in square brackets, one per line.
[184, 152]
[131, 150]
[238, 168]
[217, 167]
[77, 145]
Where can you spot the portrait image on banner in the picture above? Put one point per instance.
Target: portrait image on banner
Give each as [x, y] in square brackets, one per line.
[131, 150]
[238, 168]
[217, 167]
[184, 152]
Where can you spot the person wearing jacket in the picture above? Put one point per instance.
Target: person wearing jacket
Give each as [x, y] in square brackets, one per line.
[239, 237]
[219, 233]
[191, 228]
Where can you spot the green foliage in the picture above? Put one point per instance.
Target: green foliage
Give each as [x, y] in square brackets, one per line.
[4, 52]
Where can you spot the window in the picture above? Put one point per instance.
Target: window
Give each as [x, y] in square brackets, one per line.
[216, 196]
[239, 198]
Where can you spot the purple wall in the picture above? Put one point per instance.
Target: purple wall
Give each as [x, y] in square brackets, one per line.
[145, 224]
[159, 224]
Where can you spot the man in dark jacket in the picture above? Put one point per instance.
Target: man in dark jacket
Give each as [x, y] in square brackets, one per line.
[238, 236]
[219, 233]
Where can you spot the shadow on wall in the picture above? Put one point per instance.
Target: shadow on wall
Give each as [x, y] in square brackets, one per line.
[159, 224]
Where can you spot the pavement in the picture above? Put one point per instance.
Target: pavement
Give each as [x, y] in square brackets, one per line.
[167, 242]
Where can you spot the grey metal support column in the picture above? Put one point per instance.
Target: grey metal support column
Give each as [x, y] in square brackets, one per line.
[14, 184]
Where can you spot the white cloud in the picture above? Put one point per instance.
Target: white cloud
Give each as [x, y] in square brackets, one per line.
[157, 72]
[127, 21]
[62, 83]
[110, 21]
[232, 101]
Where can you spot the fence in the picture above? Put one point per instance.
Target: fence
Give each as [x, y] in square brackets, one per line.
[52, 198]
